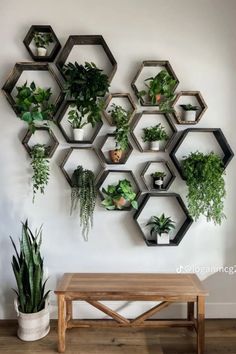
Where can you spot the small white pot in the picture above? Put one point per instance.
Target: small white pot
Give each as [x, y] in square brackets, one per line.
[154, 145]
[164, 239]
[78, 134]
[189, 116]
[33, 326]
[42, 52]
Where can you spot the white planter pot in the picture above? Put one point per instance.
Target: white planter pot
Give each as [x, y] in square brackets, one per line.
[33, 326]
[189, 116]
[78, 134]
[155, 145]
[164, 239]
[42, 52]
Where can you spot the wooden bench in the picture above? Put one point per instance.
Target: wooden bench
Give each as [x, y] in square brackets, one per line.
[163, 288]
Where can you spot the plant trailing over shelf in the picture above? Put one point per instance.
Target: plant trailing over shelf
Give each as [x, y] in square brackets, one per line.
[42, 41]
[160, 90]
[40, 165]
[154, 135]
[84, 192]
[32, 105]
[160, 225]
[116, 196]
[206, 186]
[28, 270]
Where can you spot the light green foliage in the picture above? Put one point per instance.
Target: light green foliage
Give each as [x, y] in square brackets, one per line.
[84, 192]
[160, 225]
[28, 270]
[40, 165]
[156, 133]
[158, 174]
[206, 186]
[42, 39]
[120, 118]
[189, 107]
[115, 192]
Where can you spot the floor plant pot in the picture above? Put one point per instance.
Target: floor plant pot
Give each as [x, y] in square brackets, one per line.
[163, 239]
[189, 116]
[120, 202]
[115, 155]
[33, 326]
[78, 134]
[157, 182]
[154, 145]
[42, 52]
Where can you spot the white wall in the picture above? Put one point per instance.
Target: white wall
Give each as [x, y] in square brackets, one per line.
[199, 39]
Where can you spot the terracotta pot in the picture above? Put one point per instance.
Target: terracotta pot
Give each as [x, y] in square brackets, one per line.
[115, 155]
[120, 202]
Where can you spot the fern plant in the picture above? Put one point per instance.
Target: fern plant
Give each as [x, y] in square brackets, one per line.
[84, 193]
[40, 165]
[206, 186]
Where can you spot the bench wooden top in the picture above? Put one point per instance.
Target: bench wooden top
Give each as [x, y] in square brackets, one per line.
[142, 284]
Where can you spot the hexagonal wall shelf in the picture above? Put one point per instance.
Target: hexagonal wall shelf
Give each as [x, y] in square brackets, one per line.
[90, 133]
[145, 71]
[16, 73]
[147, 119]
[110, 177]
[154, 166]
[172, 205]
[41, 136]
[89, 156]
[108, 143]
[93, 40]
[53, 48]
[219, 137]
[188, 97]
[121, 99]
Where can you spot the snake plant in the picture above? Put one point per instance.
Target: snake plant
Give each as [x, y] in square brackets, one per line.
[28, 270]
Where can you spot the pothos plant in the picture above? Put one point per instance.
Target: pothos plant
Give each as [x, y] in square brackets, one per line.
[40, 165]
[120, 118]
[114, 193]
[84, 193]
[206, 186]
[42, 39]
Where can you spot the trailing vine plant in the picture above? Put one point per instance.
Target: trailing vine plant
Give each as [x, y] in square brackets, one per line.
[40, 165]
[206, 186]
[84, 193]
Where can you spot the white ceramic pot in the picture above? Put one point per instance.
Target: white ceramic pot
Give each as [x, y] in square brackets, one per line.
[189, 116]
[33, 326]
[42, 52]
[78, 134]
[164, 239]
[155, 145]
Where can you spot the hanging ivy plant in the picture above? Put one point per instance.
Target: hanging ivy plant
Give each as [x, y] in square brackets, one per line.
[84, 193]
[206, 186]
[40, 165]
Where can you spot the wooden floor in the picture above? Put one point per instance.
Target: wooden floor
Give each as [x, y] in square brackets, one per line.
[220, 338]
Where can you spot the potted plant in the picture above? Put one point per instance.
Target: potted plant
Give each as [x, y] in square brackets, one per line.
[84, 194]
[189, 112]
[120, 118]
[87, 85]
[160, 90]
[154, 135]
[40, 166]
[31, 303]
[118, 196]
[158, 179]
[206, 185]
[75, 119]
[42, 41]
[160, 228]
[33, 106]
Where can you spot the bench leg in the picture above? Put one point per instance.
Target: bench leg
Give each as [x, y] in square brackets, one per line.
[69, 312]
[61, 324]
[190, 313]
[200, 324]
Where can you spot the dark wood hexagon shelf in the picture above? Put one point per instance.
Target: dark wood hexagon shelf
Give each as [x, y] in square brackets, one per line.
[51, 146]
[139, 116]
[14, 76]
[200, 102]
[183, 226]
[42, 29]
[105, 153]
[85, 40]
[124, 96]
[61, 117]
[166, 168]
[128, 175]
[165, 64]
[87, 165]
[219, 136]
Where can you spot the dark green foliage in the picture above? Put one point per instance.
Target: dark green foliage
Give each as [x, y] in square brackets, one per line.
[156, 133]
[189, 107]
[40, 165]
[32, 104]
[120, 118]
[28, 270]
[84, 192]
[75, 119]
[206, 186]
[42, 39]
[86, 84]
[158, 174]
[160, 225]
[114, 193]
